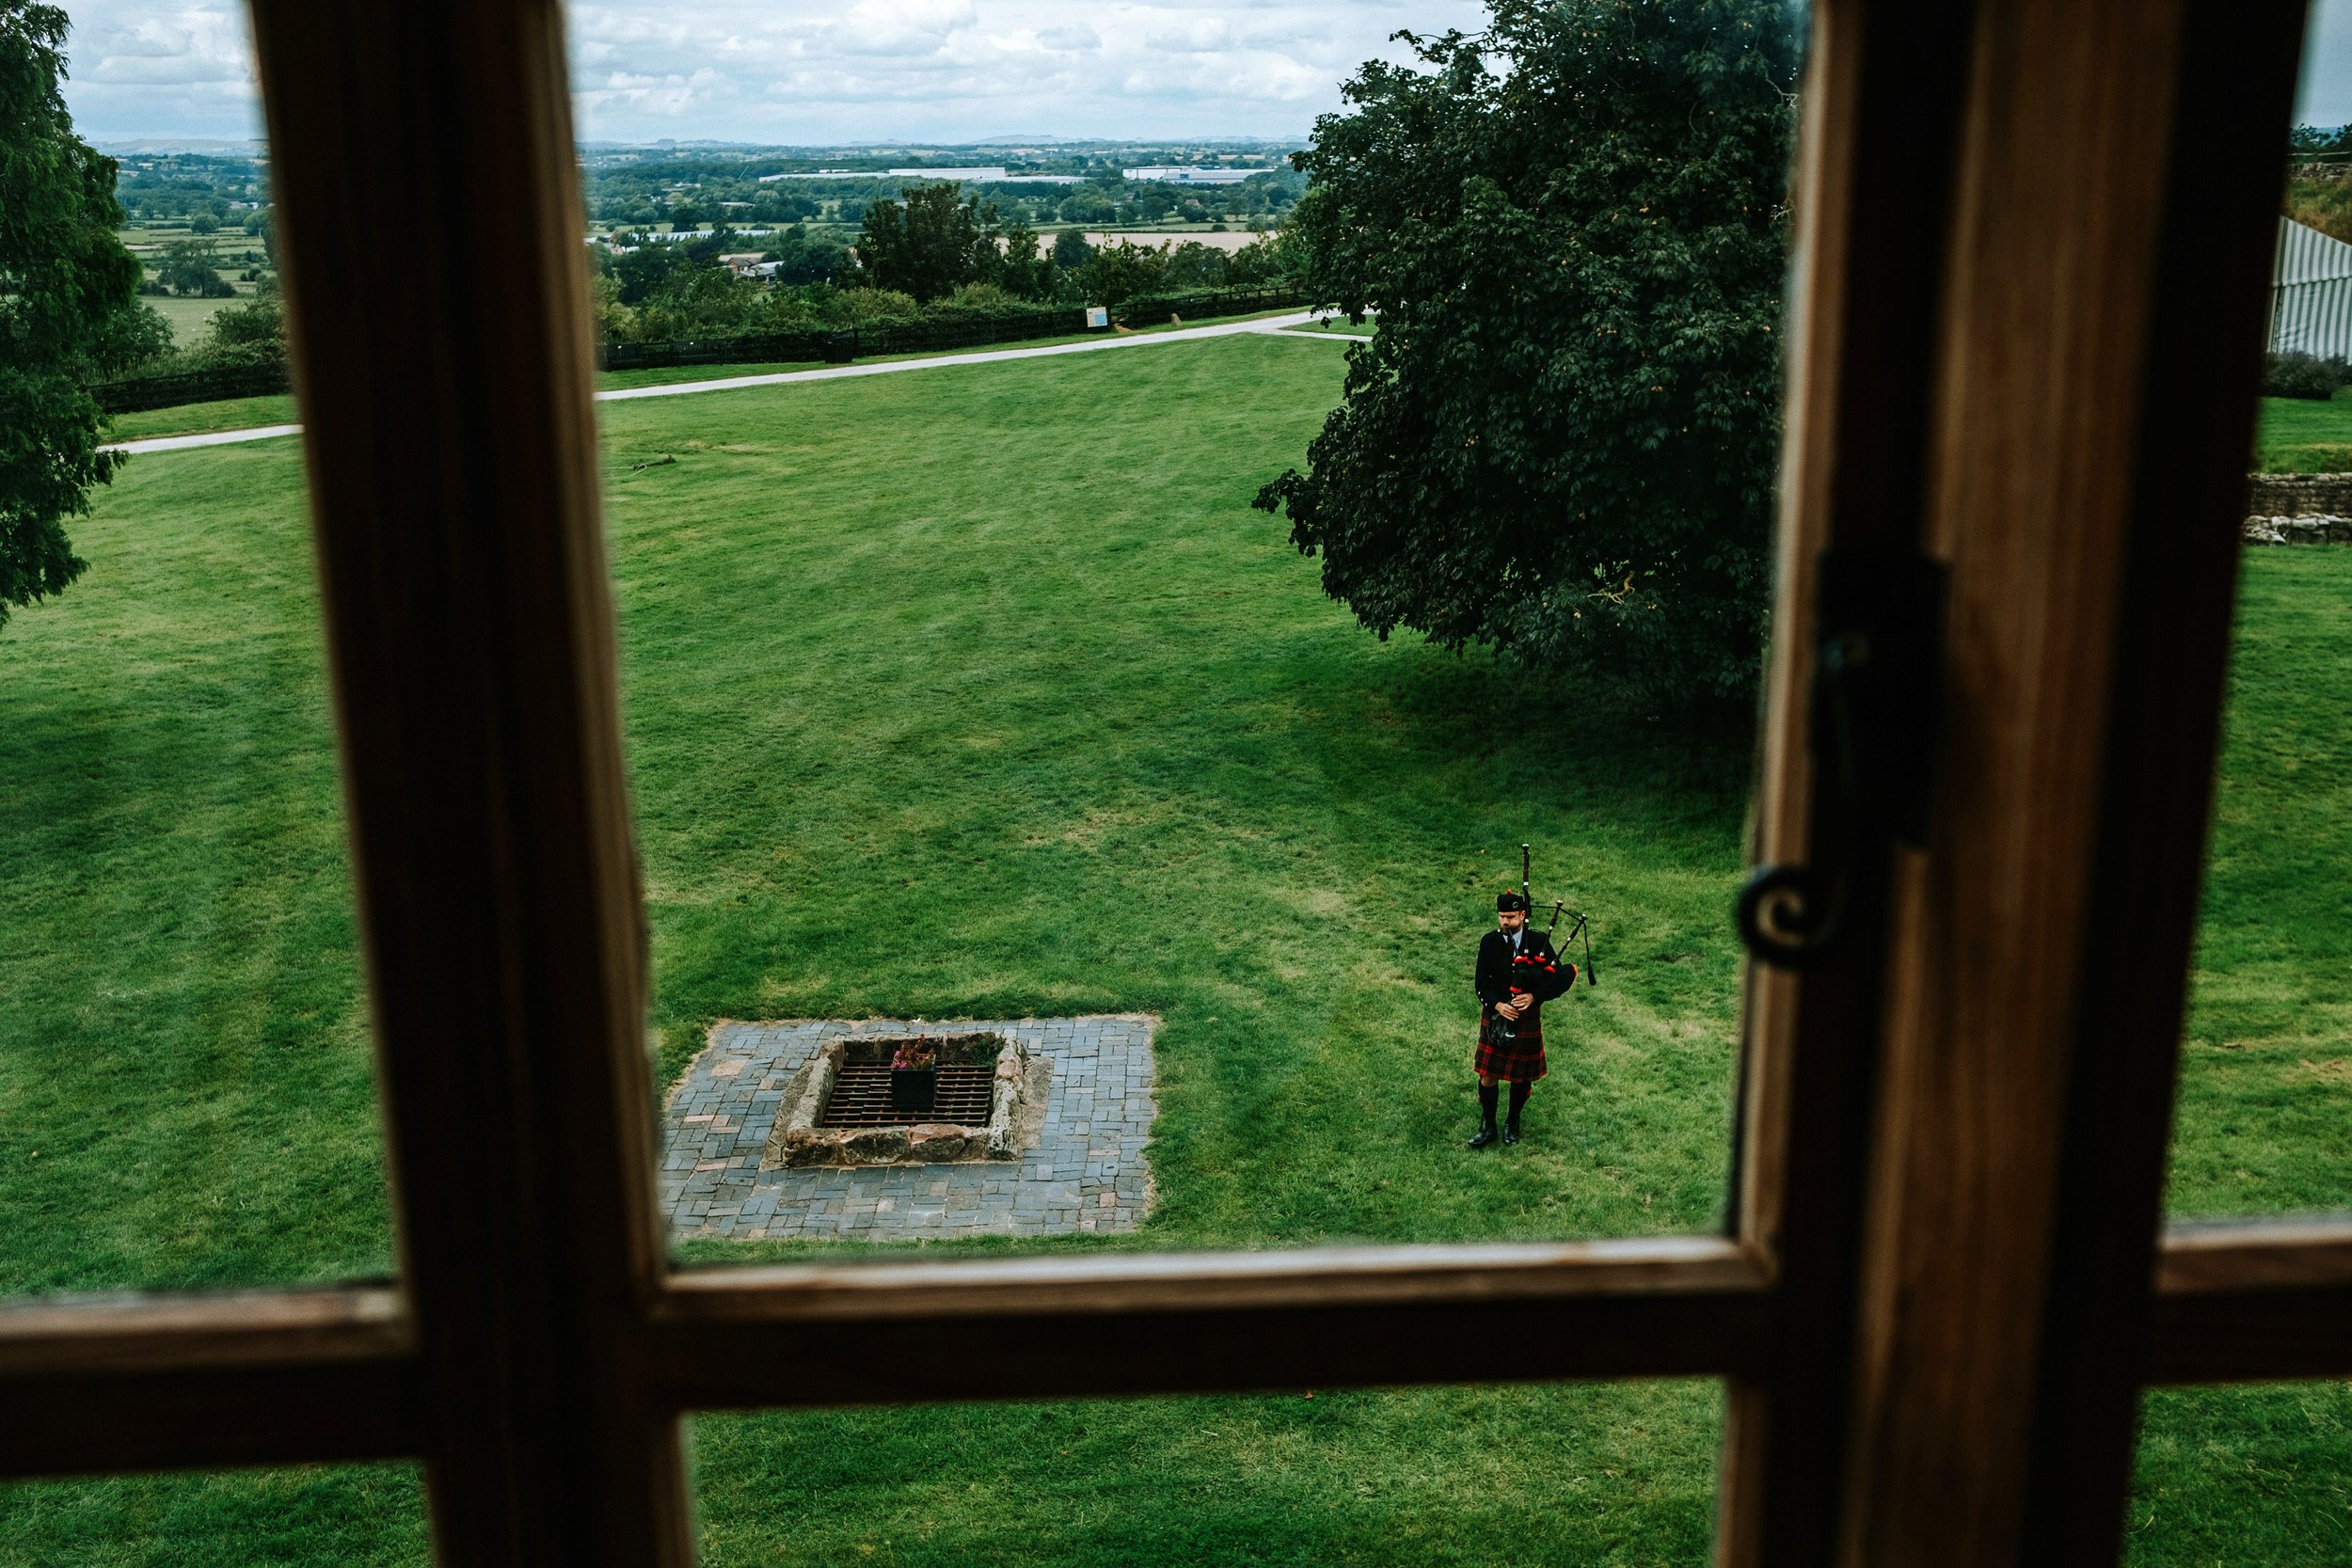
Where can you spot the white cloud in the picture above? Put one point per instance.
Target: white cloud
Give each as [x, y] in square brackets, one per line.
[906, 28]
[815, 71]
[186, 69]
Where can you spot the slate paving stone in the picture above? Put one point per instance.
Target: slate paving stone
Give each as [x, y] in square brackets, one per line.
[1088, 1171]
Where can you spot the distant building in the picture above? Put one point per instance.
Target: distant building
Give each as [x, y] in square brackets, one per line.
[747, 264]
[2311, 293]
[1188, 176]
[992, 175]
[1151, 239]
[978, 176]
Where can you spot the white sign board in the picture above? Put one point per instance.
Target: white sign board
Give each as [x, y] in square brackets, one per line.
[1098, 315]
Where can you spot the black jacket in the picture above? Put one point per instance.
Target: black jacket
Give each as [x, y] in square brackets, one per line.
[1537, 970]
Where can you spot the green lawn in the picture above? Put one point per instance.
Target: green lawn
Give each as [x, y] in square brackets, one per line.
[193, 418]
[2265, 1124]
[2302, 435]
[982, 691]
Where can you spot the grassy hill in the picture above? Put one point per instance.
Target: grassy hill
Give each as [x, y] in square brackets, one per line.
[982, 691]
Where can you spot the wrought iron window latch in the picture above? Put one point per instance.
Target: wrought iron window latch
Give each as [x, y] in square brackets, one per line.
[1875, 705]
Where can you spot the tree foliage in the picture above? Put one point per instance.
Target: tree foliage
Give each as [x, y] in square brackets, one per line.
[67, 307]
[1561, 439]
[187, 270]
[2318, 194]
[258, 322]
[1114, 274]
[929, 244]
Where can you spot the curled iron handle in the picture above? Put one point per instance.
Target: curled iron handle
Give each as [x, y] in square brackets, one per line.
[1877, 697]
[1790, 915]
[1788, 918]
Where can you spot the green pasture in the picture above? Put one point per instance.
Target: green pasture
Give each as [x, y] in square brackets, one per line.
[191, 318]
[981, 691]
[2304, 435]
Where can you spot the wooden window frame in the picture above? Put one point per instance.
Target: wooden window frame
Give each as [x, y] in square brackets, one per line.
[1945, 1281]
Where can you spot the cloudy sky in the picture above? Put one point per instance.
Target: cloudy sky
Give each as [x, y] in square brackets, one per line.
[823, 71]
[817, 70]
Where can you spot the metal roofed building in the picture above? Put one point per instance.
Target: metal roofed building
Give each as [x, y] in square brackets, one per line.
[1184, 175]
[2311, 293]
[992, 175]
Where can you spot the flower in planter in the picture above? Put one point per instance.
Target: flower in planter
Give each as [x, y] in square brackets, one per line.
[915, 1056]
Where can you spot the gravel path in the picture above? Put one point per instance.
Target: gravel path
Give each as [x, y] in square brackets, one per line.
[831, 373]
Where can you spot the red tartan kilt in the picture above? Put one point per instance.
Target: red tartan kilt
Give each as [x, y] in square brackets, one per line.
[1519, 1061]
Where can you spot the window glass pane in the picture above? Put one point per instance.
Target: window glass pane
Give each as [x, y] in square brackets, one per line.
[321, 1516]
[1607, 1473]
[2265, 1086]
[2256, 1475]
[186, 1093]
[923, 729]
[2266, 1067]
[969, 696]
[2265, 1076]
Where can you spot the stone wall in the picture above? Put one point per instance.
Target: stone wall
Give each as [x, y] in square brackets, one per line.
[2299, 509]
[2298, 531]
[2298, 496]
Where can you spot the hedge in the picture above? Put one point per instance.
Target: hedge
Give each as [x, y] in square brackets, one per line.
[883, 336]
[253, 378]
[262, 375]
[1152, 309]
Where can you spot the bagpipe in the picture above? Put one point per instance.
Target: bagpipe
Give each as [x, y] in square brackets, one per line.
[1580, 926]
[1579, 931]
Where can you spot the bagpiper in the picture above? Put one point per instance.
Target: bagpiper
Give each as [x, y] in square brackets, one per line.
[1518, 973]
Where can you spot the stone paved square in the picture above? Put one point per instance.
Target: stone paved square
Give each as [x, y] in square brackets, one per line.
[1087, 1172]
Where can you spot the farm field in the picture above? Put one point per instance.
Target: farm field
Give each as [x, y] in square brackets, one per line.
[192, 318]
[981, 691]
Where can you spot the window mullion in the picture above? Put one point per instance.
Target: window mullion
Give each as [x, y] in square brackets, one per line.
[427, 195]
[2105, 318]
[1882, 89]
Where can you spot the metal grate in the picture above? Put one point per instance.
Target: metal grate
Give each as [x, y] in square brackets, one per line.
[860, 1097]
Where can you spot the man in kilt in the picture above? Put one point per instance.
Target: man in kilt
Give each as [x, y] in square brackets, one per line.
[1518, 973]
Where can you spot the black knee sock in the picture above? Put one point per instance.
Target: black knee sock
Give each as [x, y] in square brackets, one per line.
[1486, 1103]
[1519, 1098]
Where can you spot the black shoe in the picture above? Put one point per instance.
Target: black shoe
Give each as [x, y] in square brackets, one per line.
[1484, 1136]
[1510, 1131]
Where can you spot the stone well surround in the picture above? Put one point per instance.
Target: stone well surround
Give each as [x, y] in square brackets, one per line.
[799, 1140]
[1085, 1172]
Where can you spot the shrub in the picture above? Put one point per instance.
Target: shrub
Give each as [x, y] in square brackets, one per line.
[2303, 375]
[857, 307]
[982, 299]
[258, 321]
[1116, 273]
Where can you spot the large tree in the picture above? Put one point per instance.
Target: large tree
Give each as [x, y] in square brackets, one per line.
[67, 307]
[1561, 439]
[929, 243]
